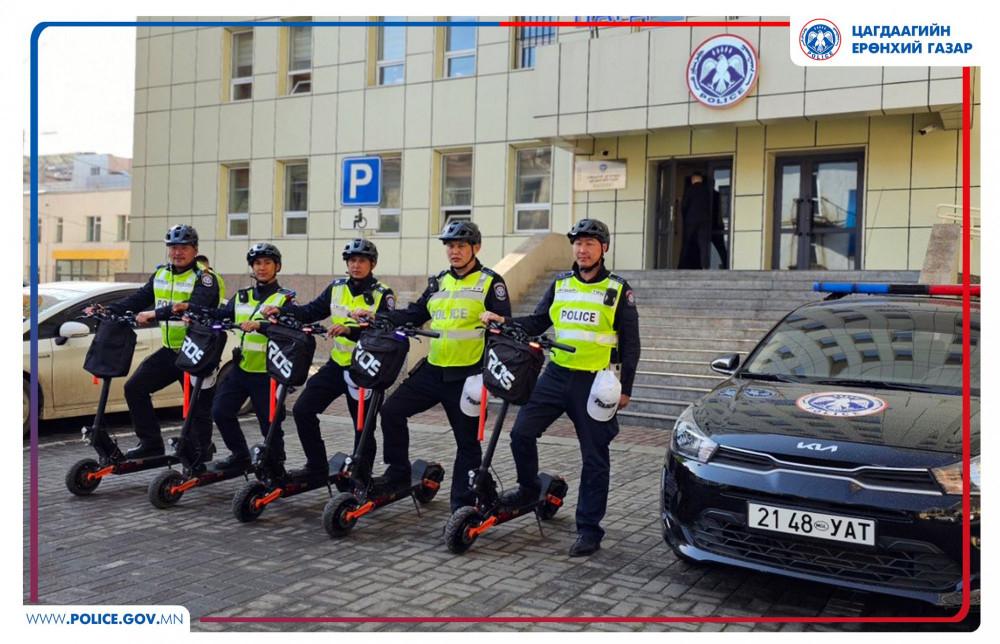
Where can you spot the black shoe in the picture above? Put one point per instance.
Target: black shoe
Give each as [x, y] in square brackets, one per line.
[584, 547]
[520, 497]
[233, 461]
[208, 452]
[145, 450]
[312, 476]
[390, 482]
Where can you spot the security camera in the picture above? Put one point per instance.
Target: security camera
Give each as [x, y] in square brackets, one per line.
[927, 129]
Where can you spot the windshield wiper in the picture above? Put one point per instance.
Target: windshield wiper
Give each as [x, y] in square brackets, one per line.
[881, 384]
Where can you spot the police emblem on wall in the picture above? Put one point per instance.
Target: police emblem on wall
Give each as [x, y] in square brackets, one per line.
[722, 71]
[820, 39]
[840, 404]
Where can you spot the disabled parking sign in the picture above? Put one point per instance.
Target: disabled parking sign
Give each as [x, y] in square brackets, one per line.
[362, 183]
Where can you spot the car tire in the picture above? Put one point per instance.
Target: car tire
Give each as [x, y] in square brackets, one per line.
[26, 407]
[224, 372]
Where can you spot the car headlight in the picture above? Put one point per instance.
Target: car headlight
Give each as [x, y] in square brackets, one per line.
[950, 476]
[690, 441]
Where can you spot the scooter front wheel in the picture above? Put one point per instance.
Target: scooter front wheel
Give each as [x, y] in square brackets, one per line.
[78, 480]
[159, 491]
[245, 507]
[335, 522]
[456, 533]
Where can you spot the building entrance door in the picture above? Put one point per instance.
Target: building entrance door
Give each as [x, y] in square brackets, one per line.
[817, 212]
[672, 179]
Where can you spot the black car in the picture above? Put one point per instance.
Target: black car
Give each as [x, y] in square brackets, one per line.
[834, 453]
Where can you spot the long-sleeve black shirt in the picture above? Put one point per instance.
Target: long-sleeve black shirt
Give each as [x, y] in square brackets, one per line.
[228, 310]
[319, 308]
[626, 324]
[416, 313]
[204, 295]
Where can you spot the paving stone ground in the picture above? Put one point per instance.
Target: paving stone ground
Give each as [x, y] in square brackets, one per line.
[115, 548]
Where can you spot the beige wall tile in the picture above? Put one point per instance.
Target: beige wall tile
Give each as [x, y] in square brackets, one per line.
[749, 171]
[156, 191]
[419, 68]
[491, 108]
[668, 54]
[616, 121]
[668, 116]
[352, 76]
[672, 142]
[350, 116]
[158, 98]
[748, 213]
[710, 140]
[904, 74]
[419, 39]
[790, 134]
[778, 74]
[454, 122]
[945, 92]
[179, 197]
[415, 222]
[353, 46]
[842, 131]
[418, 116]
[885, 249]
[887, 209]
[628, 252]
[919, 238]
[323, 137]
[492, 58]
[323, 185]
[141, 63]
[321, 256]
[206, 93]
[888, 157]
[235, 122]
[490, 220]
[205, 186]
[325, 80]
[746, 251]
[633, 150]
[160, 57]
[157, 138]
[326, 47]
[852, 100]
[935, 155]
[618, 66]
[262, 186]
[490, 178]
[262, 143]
[630, 216]
[138, 141]
[182, 96]
[820, 78]
[181, 136]
[294, 255]
[209, 60]
[265, 51]
[924, 203]
[206, 134]
[384, 110]
[786, 106]
[744, 112]
[904, 97]
[184, 50]
[572, 76]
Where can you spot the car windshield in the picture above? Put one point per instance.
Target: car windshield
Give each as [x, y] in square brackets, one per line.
[47, 298]
[904, 345]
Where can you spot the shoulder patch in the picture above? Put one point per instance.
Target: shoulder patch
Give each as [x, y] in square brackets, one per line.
[617, 278]
[339, 281]
[564, 275]
[491, 272]
[287, 292]
[390, 301]
[500, 291]
[207, 279]
[630, 297]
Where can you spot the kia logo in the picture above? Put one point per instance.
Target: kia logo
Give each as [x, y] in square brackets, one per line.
[817, 447]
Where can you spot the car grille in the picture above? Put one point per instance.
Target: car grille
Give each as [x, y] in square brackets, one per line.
[901, 479]
[920, 566]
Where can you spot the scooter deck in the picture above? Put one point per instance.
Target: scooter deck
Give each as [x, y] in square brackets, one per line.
[141, 464]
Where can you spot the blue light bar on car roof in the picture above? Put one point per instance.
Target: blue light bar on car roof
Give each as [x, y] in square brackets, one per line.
[878, 288]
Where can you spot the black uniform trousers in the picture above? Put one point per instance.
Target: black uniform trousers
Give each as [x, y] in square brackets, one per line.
[233, 392]
[425, 388]
[325, 386]
[153, 374]
[562, 390]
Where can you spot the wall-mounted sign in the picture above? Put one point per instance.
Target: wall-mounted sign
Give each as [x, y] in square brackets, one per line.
[722, 71]
[359, 219]
[598, 175]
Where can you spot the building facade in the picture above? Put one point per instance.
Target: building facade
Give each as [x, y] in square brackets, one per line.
[84, 206]
[242, 132]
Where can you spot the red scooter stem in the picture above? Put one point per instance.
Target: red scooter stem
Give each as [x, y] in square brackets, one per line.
[361, 408]
[272, 401]
[187, 393]
[483, 404]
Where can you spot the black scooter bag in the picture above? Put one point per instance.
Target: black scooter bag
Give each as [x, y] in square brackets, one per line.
[201, 351]
[510, 369]
[110, 354]
[289, 354]
[378, 358]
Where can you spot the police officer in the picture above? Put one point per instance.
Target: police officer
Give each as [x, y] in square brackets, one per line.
[248, 379]
[179, 280]
[592, 310]
[359, 291]
[453, 301]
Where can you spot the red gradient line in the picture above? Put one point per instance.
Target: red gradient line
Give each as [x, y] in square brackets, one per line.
[716, 23]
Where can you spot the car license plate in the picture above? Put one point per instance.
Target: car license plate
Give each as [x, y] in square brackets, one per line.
[806, 523]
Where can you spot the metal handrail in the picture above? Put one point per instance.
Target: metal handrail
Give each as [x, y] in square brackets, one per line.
[955, 216]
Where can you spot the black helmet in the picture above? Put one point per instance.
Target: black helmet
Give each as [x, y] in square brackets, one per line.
[263, 249]
[590, 228]
[461, 231]
[361, 247]
[181, 234]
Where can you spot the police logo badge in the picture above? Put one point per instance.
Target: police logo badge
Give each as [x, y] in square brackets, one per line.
[390, 302]
[630, 297]
[820, 39]
[500, 291]
[722, 71]
[206, 279]
[840, 404]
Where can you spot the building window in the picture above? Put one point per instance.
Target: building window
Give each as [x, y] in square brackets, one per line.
[391, 52]
[242, 72]
[296, 198]
[456, 187]
[95, 171]
[533, 198]
[528, 38]
[59, 230]
[90, 270]
[388, 208]
[299, 60]
[460, 49]
[93, 229]
[122, 228]
[238, 204]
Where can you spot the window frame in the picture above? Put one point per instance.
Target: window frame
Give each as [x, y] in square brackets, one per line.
[93, 229]
[391, 212]
[293, 215]
[121, 233]
[59, 230]
[238, 81]
[545, 36]
[293, 72]
[450, 55]
[528, 206]
[232, 216]
[455, 211]
[383, 63]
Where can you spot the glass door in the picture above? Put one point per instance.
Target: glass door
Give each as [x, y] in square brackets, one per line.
[817, 212]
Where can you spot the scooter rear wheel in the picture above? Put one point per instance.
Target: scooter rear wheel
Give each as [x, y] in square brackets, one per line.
[424, 494]
[159, 489]
[76, 478]
[546, 510]
[334, 521]
[456, 533]
[244, 508]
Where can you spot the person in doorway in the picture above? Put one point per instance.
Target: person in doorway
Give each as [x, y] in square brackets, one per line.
[696, 217]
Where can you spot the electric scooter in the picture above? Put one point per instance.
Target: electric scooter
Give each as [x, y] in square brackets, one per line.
[290, 349]
[169, 486]
[376, 362]
[109, 357]
[511, 357]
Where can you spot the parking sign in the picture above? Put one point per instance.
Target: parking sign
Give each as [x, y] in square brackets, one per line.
[362, 184]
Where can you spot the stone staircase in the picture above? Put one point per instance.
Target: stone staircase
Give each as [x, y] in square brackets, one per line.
[688, 318]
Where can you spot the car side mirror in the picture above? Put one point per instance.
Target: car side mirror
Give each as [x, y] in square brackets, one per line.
[726, 365]
[71, 329]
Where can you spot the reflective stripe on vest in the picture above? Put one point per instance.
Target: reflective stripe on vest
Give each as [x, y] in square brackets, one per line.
[169, 288]
[253, 346]
[582, 320]
[342, 303]
[455, 311]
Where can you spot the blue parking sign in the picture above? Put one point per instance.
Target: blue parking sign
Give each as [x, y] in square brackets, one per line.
[362, 184]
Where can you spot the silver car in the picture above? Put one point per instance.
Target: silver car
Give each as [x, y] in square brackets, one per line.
[63, 339]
